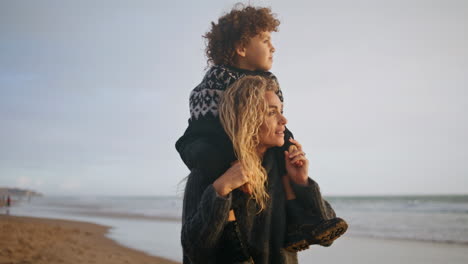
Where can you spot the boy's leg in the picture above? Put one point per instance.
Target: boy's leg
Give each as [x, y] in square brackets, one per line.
[295, 239]
[329, 227]
[314, 222]
[290, 195]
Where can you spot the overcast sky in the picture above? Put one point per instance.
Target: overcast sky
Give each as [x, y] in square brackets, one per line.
[94, 94]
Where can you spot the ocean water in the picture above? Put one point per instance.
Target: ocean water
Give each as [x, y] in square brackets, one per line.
[152, 224]
[425, 218]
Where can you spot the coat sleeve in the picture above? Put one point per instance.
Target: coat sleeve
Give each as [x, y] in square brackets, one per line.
[204, 216]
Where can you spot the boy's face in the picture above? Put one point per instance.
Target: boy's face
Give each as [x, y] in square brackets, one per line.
[257, 55]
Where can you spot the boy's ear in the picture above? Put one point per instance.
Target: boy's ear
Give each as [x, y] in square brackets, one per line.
[240, 50]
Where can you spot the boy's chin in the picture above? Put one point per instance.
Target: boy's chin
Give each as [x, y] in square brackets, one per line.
[267, 68]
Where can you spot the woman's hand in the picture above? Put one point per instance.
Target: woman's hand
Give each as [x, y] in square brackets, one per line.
[233, 178]
[297, 166]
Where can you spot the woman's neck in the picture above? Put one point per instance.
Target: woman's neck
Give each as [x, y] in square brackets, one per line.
[261, 151]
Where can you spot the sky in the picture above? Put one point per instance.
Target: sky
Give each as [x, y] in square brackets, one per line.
[94, 94]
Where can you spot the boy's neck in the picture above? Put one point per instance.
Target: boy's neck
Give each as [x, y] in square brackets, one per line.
[238, 67]
[244, 66]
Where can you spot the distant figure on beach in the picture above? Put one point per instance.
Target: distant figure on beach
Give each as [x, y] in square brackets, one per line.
[248, 196]
[8, 201]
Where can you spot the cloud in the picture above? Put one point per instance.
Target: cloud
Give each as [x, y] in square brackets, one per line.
[28, 182]
[24, 182]
[70, 185]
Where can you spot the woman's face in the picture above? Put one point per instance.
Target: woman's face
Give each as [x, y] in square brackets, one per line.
[272, 130]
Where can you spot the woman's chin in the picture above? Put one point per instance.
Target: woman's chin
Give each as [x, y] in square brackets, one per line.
[280, 143]
[274, 143]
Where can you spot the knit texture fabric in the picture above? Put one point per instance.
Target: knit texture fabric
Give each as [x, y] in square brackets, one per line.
[204, 99]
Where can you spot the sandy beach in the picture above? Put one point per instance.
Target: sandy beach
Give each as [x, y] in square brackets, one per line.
[36, 240]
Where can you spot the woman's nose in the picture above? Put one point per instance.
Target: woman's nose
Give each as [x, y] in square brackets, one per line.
[283, 120]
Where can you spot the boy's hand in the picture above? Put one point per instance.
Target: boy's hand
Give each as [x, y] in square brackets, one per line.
[297, 166]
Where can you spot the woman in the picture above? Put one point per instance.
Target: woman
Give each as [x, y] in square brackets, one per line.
[251, 114]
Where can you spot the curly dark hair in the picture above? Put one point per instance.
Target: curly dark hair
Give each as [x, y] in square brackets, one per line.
[237, 27]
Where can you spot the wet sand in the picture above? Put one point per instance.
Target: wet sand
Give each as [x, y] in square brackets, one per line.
[37, 240]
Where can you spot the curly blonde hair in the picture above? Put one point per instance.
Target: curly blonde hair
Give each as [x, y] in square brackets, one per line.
[237, 27]
[242, 111]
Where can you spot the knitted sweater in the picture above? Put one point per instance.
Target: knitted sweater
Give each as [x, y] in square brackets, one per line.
[205, 128]
[205, 215]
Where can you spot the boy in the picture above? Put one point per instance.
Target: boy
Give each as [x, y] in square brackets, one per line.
[239, 45]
